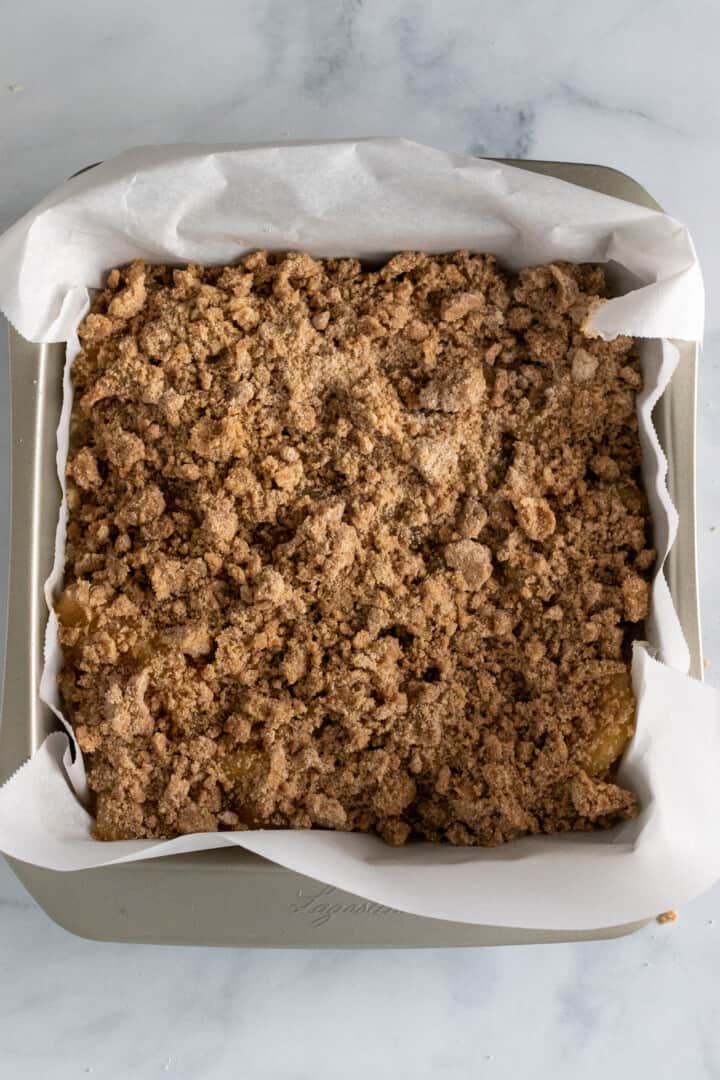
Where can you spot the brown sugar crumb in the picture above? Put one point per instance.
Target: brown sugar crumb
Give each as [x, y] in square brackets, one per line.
[667, 917]
[535, 517]
[473, 560]
[353, 550]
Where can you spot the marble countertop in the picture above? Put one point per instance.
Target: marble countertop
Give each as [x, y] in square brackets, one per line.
[635, 86]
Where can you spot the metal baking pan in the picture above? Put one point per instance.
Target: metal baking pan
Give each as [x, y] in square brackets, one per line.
[231, 897]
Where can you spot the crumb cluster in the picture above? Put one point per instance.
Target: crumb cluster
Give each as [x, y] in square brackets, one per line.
[356, 550]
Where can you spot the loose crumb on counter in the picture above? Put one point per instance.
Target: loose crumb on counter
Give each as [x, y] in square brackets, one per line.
[353, 550]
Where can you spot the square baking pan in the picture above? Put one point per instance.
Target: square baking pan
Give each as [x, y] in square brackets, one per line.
[232, 897]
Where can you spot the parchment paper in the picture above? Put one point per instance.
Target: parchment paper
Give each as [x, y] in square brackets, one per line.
[370, 199]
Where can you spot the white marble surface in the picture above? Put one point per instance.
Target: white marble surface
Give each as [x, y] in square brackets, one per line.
[634, 85]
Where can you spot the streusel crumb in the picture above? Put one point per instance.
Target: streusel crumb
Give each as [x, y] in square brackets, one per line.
[355, 550]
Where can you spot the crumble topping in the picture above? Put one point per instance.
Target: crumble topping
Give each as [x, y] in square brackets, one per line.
[354, 550]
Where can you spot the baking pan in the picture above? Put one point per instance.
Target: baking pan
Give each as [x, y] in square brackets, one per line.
[231, 897]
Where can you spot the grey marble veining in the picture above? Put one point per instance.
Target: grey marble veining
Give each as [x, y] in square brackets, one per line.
[633, 85]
